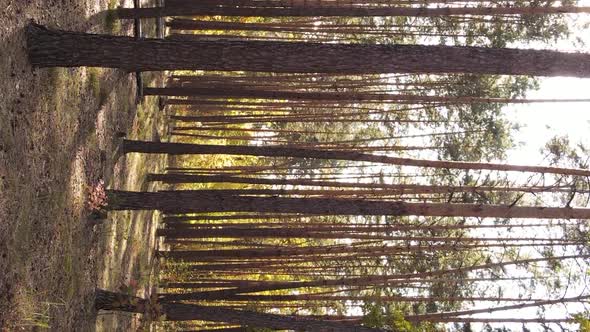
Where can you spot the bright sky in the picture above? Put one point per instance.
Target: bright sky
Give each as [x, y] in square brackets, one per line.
[539, 123]
[544, 120]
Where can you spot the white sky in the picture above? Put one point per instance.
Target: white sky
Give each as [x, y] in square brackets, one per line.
[544, 120]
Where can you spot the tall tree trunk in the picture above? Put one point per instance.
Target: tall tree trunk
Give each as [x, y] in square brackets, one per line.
[178, 219]
[385, 189]
[56, 48]
[339, 254]
[358, 281]
[193, 201]
[237, 92]
[106, 300]
[274, 151]
[467, 320]
[369, 298]
[182, 312]
[194, 9]
[434, 316]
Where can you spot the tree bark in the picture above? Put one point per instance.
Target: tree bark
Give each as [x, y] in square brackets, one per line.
[377, 188]
[107, 300]
[274, 151]
[188, 9]
[182, 312]
[193, 201]
[358, 281]
[442, 315]
[352, 97]
[57, 48]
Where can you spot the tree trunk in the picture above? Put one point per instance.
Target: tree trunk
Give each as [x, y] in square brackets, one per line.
[193, 201]
[442, 315]
[352, 97]
[274, 151]
[346, 254]
[56, 48]
[358, 281]
[182, 312]
[180, 219]
[316, 10]
[106, 300]
[370, 298]
[467, 320]
[378, 189]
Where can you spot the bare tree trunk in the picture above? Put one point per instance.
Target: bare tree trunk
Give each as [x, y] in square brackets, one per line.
[443, 315]
[233, 92]
[56, 48]
[379, 189]
[194, 9]
[106, 300]
[193, 201]
[359, 281]
[273, 151]
[182, 312]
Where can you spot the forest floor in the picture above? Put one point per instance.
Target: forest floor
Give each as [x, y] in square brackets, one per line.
[57, 135]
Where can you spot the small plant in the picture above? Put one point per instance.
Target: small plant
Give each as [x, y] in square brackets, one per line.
[35, 319]
[130, 288]
[111, 20]
[93, 82]
[97, 200]
[36, 315]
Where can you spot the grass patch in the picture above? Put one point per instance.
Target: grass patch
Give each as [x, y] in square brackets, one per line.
[111, 20]
[94, 81]
[35, 315]
[56, 75]
[94, 85]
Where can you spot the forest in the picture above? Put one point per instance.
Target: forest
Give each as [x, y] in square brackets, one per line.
[295, 165]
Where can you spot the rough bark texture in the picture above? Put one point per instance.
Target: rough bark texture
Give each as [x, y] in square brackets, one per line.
[56, 48]
[358, 281]
[279, 151]
[181, 312]
[195, 9]
[385, 189]
[193, 201]
[107, 300]
[237, 92]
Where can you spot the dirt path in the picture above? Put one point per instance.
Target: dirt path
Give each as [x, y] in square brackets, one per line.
[56, 130]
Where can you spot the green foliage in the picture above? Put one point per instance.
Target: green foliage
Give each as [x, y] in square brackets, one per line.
[398, 323]
[489, 328]
[111, 21]
[94, 85]
[584, 321]
[498, 31]
[561, 152]
[391, 317]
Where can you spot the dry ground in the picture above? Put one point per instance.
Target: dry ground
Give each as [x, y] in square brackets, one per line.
[56, 138]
